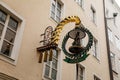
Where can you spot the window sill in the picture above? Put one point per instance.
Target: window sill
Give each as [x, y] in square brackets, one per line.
[96, 59]
[52, 19]
[114, 71]
[94, 23]
[80, 6]
[7, 59]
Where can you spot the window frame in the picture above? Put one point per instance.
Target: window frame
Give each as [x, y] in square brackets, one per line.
[96, 78]
[4, 39]
[2, 24]
[44, 77]
[56, 16]
[110, 35]
[106, 13]
[80, 3]
[17, 42]
[95, 48]
[78, 76]
[112, 56]
[93, 15]
[117, 42]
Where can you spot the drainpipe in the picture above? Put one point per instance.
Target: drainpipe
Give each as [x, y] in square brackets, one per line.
[108, 45]
[76, 71]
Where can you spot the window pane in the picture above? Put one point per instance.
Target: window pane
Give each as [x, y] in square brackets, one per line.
[1, 29]
[55, 54]
[59, 6]
[54, 2]
[53, 7]
[54, 63]
[110, 35]
[2, 16]
[48, 62]
[13, 24]
[10, 35]
[58, 13]
[113, 60]
[94, 48]
[54, 74]
[6, 48]
[53, 15]
[80, 73]
[93, 14]
[47, 70]
[80, 2]
[57, 19]
[53, 11]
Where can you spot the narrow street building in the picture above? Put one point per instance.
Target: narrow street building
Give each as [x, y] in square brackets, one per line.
[112, 14]
[22, 27]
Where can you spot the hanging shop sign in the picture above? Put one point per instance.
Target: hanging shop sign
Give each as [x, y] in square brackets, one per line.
[76, 52]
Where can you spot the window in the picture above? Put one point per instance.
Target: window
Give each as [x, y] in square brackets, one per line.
[94, 48]
[51, 68]
[96, 78]
[10, 29]
[80, 2]
[6, 77]
[93, 15]
[113, 60]
[80, 72]
[107, 13]
[2, 21]
[110, 35]
[8, 41]
[117, 42]
[56, 10]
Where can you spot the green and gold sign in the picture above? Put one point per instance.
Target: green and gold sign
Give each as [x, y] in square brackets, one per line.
[76, 52]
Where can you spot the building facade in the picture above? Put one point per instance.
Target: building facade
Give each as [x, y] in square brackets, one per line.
[22, 24]
[112, 19]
